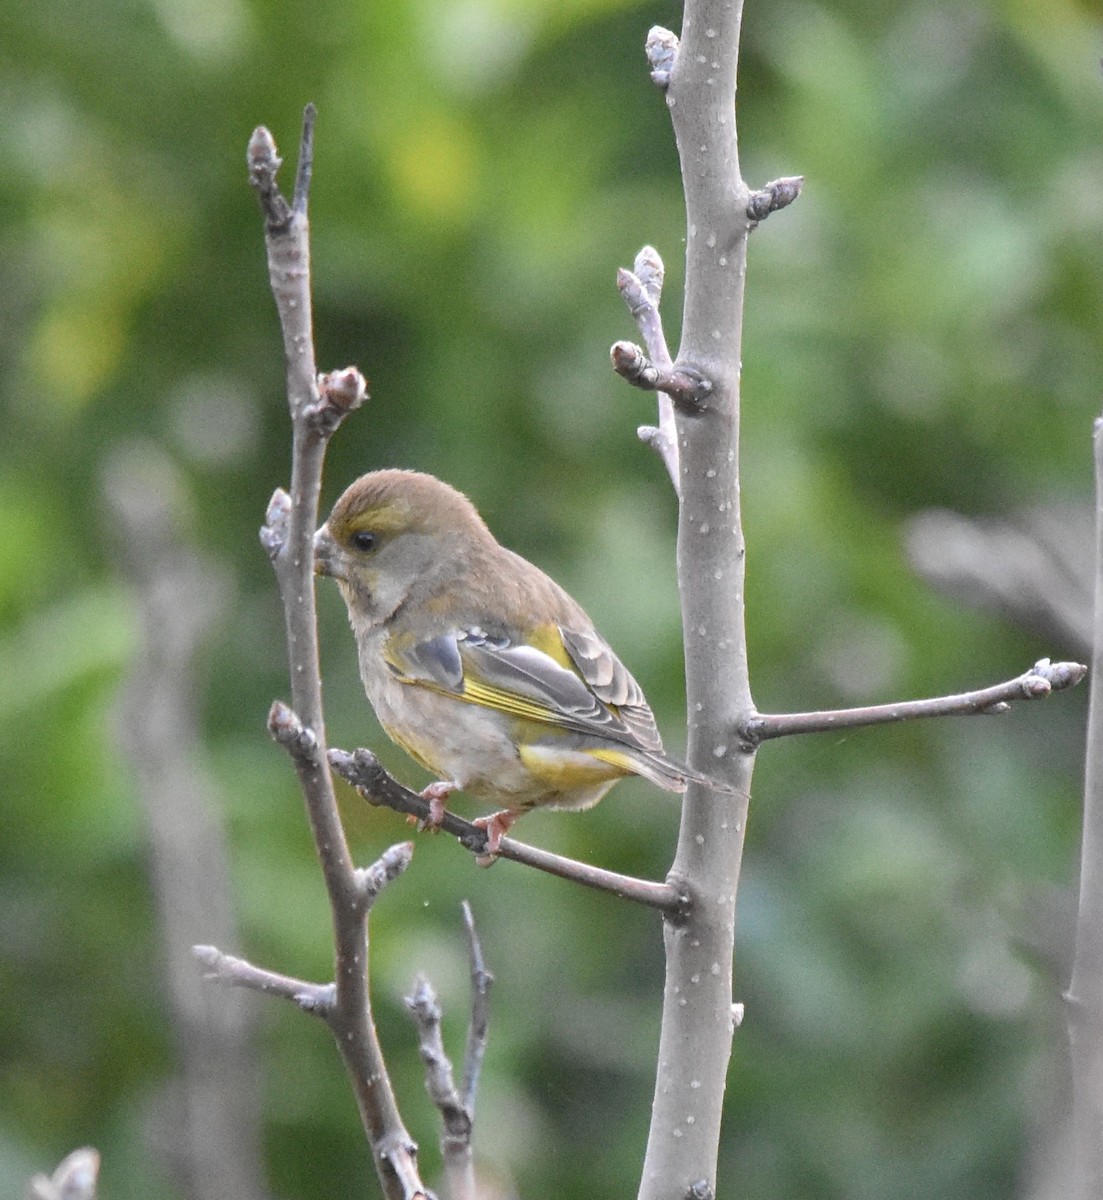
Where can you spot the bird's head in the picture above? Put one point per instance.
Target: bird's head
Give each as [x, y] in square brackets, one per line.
[391, 530]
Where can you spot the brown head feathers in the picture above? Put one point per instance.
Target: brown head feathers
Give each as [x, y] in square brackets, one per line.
[396, 501]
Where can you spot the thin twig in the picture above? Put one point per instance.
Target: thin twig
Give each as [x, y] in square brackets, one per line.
[686, 386]
[456, 1120]
[478, 1026]
[363, 770]
[641, 290]
[1037, 683]
[227, 969]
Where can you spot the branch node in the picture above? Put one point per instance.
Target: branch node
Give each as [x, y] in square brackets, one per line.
[1060, 675]
[370, 881]
[264, 164]
[661, 49]
[296, 738]
[339, 393]
[277, 524]
[650, 271]
[686, 386]
[778, 193]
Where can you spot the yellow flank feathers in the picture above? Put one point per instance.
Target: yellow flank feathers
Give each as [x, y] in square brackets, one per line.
[548, 639]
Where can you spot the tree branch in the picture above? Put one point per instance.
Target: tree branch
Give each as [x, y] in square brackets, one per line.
[317, 406]
[315, 998]
[641, 290]
[1085, 993]
[456, 1120]
[478, 1026]
[1037, 683]
[698, 79]
[363, 770]
[215, 1141]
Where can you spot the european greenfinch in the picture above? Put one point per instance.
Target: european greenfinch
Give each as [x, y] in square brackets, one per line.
[479, 665]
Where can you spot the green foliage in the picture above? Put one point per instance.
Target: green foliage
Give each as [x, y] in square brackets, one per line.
[922, 329]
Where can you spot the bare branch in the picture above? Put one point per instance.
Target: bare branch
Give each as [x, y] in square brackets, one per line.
[477, 1028]
[1085, 993]
[264, 164]
[317, 405]
[227, 969]
[641, 289]
[305, 169]
[1037, 683]
[686, 386]
[698, 72]
[456, 1120]
[363, 770]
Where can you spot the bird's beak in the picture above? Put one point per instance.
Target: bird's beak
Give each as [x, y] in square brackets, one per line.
[327, 554]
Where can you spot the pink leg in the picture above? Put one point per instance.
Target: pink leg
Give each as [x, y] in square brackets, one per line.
[497, 825]
[437, 793]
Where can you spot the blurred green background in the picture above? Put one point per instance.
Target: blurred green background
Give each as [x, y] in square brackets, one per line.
[923, 330]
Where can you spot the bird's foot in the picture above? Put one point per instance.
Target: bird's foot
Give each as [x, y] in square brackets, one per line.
[436, 793]
[497, 825]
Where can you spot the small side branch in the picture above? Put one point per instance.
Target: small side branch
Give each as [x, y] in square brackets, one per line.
[779, 193]
[478, 1027]
[641, 289]
[1037, 683]
[456, 1120]
[456, 1106]
[363, 770]
[685, 386]
[230, 971]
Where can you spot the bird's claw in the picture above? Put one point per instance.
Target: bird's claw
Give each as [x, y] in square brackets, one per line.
[497, 825]
[437, 794]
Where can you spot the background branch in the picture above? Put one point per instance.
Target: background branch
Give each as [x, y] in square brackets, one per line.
[210, 1131]
[1085, 993]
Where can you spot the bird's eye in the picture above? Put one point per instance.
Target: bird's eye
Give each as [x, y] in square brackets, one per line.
[364, 540]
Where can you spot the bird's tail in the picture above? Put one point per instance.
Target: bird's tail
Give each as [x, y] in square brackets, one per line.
[662, 770]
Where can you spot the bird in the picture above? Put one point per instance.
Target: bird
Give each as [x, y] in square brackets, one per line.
[478, 664]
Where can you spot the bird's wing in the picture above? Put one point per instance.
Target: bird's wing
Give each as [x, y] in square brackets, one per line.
[572, 681]
[612, 683]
